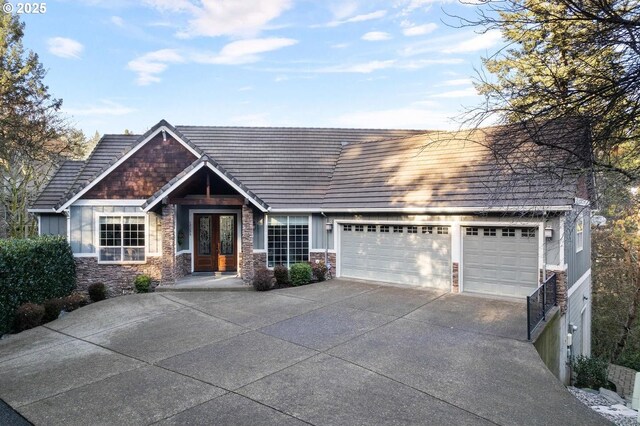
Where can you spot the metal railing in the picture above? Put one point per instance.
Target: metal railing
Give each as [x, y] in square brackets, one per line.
[540, 302]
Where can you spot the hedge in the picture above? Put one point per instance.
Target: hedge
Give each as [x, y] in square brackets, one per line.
[33, 271]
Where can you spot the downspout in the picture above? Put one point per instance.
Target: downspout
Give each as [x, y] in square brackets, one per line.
[326, 245]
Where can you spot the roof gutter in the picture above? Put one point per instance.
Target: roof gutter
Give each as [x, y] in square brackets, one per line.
[514, 209]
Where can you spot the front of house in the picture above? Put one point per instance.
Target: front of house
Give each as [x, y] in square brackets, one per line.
[410, 207]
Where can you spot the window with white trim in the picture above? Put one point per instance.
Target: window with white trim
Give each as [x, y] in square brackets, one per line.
[580, 233]
[359, 228]
[121, 239]
[371, 228]
[288, 240]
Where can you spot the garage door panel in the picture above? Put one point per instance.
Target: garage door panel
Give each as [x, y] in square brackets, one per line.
[503, 264]
[401, 257]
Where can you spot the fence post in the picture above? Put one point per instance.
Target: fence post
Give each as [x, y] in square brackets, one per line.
[544, 301]
[528, 318]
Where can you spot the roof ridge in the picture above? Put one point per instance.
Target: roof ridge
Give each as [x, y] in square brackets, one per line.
[306, 128]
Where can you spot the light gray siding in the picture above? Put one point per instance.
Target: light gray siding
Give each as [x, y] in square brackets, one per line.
[53, 224]
[579, 306]
[82, 223]
[552, 246]
[578, 262]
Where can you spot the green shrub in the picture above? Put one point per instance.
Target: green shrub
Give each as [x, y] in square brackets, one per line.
[97, 292]
[630, 360]
[281, 274]
[300, 274]
[74, 301]
[590, 372]
[28, 315]
[52, 309]
[33, 271]
[262, 279]
[319, 271]
[142, 283]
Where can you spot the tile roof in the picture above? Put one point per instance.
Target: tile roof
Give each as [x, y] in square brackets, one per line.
[318, 168]
[58, 185]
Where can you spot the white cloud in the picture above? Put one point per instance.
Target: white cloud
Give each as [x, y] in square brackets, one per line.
[358, 18]
[65, 47]
[150, 65]
[214, 18]
[362, 68]
[403, 118]
[461, 93]
[342, 9]
[102, 108]
[477, 43]
[376, 36]
[419, 30]
[117, 21]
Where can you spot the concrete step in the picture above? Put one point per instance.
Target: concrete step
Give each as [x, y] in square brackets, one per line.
[224, 287]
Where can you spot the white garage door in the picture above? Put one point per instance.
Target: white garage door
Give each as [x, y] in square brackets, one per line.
[415, 255]
[501, 261]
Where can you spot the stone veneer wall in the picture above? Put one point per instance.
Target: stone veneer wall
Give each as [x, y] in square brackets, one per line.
[313, 256]
[117, 278]
[562, 292]
[183, 265]
[168, 276]
[246, 258]
[455, 279]
[259, 260]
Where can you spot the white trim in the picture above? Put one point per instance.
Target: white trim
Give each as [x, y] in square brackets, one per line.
[542, 253]
[68, 214]
[557, 267]
[148, 239]
[51, 210]
[316, 251]
[96, 241]
[579, 247]
[110, 202]
[39, 225]
[238, 214]
[125, 158]
[217, 172]
[259, 250]
[310, 236]
[85, 255]
[426, 209]
[266, 238]
[183, 252]
[579, 283]
[561, 240]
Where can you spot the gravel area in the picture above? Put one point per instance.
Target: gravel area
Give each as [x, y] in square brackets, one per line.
[618, 414]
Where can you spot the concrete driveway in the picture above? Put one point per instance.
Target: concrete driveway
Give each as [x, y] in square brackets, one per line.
[334, 353]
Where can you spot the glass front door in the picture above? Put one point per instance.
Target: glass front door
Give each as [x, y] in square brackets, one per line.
[214, 243]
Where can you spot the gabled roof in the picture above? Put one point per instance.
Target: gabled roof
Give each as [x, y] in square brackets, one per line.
[58, 185]
[190, 170]
[312, 169]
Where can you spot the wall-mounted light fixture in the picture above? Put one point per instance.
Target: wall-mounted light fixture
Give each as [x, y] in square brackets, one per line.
[548, 233]
[329, 226]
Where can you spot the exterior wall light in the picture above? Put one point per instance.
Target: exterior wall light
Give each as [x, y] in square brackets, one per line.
[548, 233]
[329, 226]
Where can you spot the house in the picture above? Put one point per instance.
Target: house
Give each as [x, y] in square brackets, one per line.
[484, 211]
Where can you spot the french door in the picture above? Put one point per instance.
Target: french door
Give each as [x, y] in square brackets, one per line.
[214, 243]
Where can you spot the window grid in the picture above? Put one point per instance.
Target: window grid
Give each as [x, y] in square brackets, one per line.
[359, 228]
[528, 232]
[371, 228]
[288, 240]
[412, 229]
[347, 227]
[427, 229]
[442, 230]
[489, 232]
[397, 229]
[122, 238]
[384, 228]
[508, 232]
[472, 231]
[580, 233]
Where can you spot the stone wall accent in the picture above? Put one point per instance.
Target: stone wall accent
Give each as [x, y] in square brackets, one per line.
[117, 278]
[313, 256]
[183, 265]
[168, 276]
[455, 277]
[562, 291]
[259, 260]
[246, 260]
[146, 171]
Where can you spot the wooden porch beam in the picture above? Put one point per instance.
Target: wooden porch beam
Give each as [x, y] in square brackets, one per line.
[220, 200]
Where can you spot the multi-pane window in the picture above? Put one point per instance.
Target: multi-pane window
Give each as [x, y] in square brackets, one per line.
[371, 228]
[442, 230]
[580, 233]
[155, 233]
[122, 239]
[427, 229]
[347, 227]
[288, 240]
[412, 229]
[384, 228]
[359, 228]
[508, 232]
[489, 232]
[472, 231]
[528, 232]
[397, 229]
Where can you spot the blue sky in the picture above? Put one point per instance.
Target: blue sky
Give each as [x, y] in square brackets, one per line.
[121, 64]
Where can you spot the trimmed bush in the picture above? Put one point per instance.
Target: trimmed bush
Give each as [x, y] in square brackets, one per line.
[97, 292]
[74, 301]
[281, 274]
[300, 274]
[142, 283]
[52, 309]
[28, 315]
[590, 372]
[33, 271]
[262, 279]
[319, 271]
